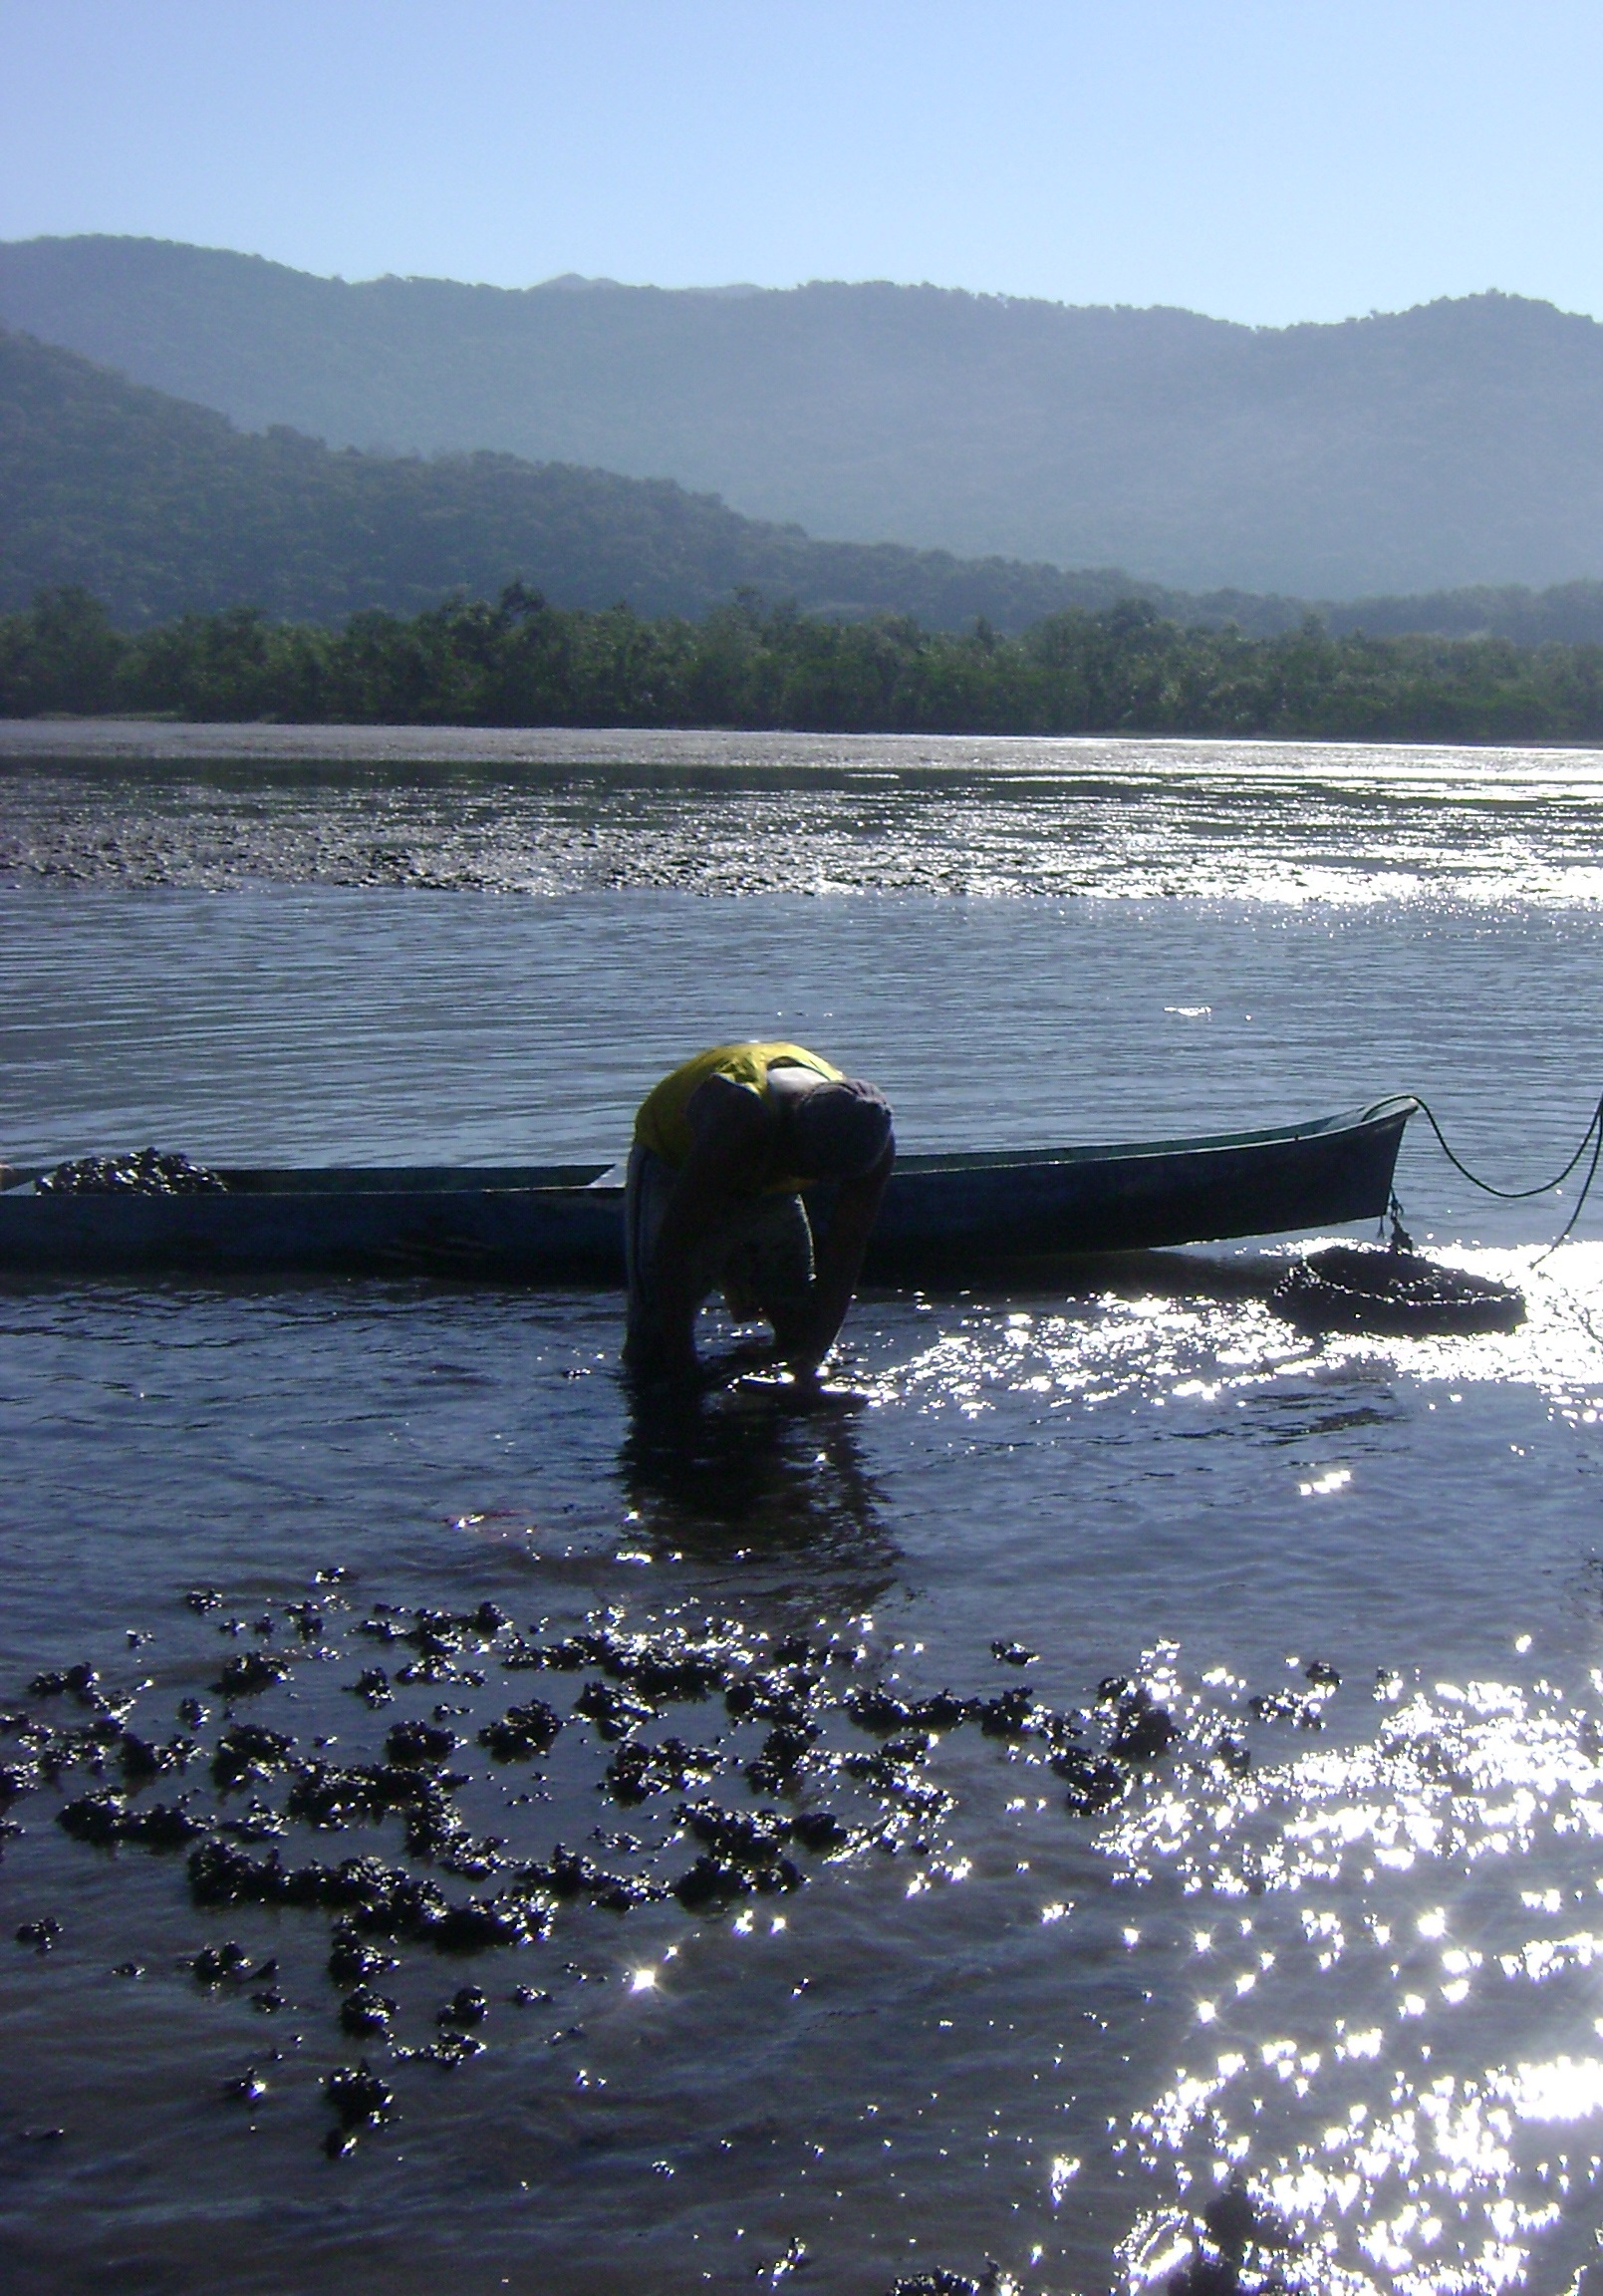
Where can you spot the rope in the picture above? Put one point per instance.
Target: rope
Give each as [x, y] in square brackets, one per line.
[1591, 1138]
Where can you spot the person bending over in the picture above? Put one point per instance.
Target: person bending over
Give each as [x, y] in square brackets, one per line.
[724, 1148]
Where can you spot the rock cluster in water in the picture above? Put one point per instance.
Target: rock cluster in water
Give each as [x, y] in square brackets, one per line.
[243, 1800]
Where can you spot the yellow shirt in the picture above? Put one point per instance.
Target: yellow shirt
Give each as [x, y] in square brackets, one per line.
[661, 1124]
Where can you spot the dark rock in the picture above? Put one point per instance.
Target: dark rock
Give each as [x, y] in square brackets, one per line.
[81, 1682]
[944, 1711]
[96, 1818]
[1008, 1716]
[164, 1826]
[711, 1881]
[573, 1652]
[1142, 1730]
[1014, 1654]
[223, 1964]
[372, 1687]
[1287, 1706]
[351, 1962]
[357, 2095]
[521, 1732]
[878, 1708]
[364, 2012]
[477, 1925]
[820, 1829]
[783, 1697]
[448, 2052]
[202, 1599]
[220, 1874]
[192, 1713]
[750, 1837]
[249, 1750]
[637, 1770]
[468, 2005]
[139, 1760]
[246, 2089]
[253, 1671]
[257, 1822]
[664, 1666]
[777, 1767]
[614, 1712]
[333, 1795]
[1320, 1673]
[43, 1935]
[418, 1743]
[570, 1873]
[1093, 1782]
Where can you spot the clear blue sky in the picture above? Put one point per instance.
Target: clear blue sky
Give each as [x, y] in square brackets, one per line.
[1260, 160]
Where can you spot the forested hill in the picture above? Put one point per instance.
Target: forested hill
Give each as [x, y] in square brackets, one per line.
[1461, 442]
[159, 507]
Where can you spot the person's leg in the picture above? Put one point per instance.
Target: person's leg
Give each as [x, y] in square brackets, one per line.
[648, 1188]
[644, 1196]
[767, 1269]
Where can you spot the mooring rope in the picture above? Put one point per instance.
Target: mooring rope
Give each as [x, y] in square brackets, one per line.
[1591, 1138]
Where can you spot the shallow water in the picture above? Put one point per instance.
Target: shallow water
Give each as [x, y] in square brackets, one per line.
[1361, 1974]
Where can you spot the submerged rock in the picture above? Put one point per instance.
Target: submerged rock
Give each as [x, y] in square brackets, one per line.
[358, 2099]
[353, 1962]
[364, 2012]
[418, 1742]
[252, 1671]
[521, 1732]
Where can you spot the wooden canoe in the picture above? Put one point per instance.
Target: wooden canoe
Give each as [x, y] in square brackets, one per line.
[944, 1217]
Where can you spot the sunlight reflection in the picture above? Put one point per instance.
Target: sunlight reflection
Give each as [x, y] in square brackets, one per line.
[1400, 2147]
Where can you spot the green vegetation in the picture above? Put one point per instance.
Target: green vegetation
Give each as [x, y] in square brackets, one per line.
[522, 661]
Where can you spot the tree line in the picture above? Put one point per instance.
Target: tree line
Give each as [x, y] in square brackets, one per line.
[522, 661]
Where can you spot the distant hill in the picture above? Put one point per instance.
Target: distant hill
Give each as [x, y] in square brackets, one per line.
[159, 507]
[1459, 443]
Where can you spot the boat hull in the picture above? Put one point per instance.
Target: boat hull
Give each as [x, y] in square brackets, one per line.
[943, 1216]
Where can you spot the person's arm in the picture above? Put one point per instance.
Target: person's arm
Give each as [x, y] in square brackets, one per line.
[729, 1128]
[804, 1343]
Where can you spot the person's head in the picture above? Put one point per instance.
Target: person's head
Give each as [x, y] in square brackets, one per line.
[837, 1131]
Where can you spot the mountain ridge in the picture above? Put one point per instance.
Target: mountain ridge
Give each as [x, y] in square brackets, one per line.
[161, 506]
[1458, 444]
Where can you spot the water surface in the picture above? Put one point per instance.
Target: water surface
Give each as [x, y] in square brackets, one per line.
[1359, 1976]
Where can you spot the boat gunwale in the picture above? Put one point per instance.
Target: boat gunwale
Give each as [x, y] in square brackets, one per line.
[258, 1181]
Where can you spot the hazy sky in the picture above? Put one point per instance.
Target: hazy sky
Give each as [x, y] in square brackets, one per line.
[1260, 160]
